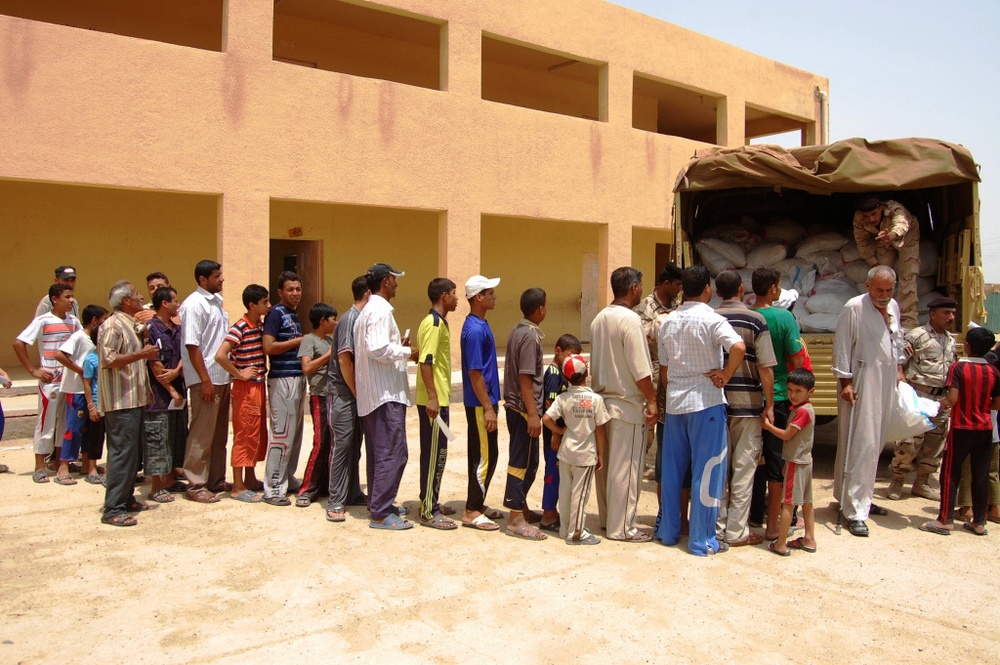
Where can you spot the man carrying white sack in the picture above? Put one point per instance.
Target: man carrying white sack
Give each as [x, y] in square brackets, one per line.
[867, 361]
[887, 234]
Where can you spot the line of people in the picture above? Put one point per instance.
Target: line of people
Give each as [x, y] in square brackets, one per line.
[723, 387]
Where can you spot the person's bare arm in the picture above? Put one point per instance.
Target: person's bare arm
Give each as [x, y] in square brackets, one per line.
[720, 377]
[652, 411]
[40, 373]
[207, 390]
[427, 374]
[602, 445]
[222, 358]
[952, 398]
[346, 360]
[783, 434]
[67, 362]
[483, 395]
[312, 365]
[88, 393]
[525, 382]
[273, 347]
[766, 375]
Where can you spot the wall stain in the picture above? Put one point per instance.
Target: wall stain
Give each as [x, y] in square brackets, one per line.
[650, 154]
[386, 111]
[17, 66]
[234, 84]
[596, 155]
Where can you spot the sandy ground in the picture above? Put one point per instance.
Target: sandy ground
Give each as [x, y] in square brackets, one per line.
[229, 582]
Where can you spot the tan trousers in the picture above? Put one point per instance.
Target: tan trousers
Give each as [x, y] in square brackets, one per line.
[208, 434]
[574, 492]
[744, 446]
[618, 481]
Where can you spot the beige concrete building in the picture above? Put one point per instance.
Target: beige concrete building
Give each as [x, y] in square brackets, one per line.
[535, 140]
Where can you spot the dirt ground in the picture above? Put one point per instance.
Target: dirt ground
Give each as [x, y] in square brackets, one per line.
[232, 583]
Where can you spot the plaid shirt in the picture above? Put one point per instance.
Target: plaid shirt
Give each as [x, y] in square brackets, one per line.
[121, 387]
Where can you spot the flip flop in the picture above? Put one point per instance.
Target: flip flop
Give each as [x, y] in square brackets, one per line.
[526, 531]
[161, 496]
[248, 496]
[201, 495]
[64, 480]
[493, 513]
[447, 511]
[335, 516]
[482, 523]
[589, 539]
[391, 523]
[40, 476]
[931, 527]
[94, 479]
[637, 537]
[439, 522]
[770, 548]
[799, 544]
[302, 501]
[971, 528]
[119, 520]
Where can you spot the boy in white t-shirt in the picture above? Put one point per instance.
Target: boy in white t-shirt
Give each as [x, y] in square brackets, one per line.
[71, 355]
[581, 448]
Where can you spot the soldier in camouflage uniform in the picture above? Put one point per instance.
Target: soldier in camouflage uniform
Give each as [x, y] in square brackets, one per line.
[930, 351]
[887, 234]
[660, 302]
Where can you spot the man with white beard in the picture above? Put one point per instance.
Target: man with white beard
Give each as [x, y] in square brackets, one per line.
[867, 360]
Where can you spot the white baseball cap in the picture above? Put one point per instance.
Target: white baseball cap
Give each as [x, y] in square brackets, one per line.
[478, 284]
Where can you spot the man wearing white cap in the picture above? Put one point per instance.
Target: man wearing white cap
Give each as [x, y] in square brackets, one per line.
[481, 395]
[380, 357]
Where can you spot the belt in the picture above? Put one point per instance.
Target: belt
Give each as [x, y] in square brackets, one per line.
[933, 392]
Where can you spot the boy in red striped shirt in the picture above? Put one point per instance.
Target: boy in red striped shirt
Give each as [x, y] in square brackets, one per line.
[242, 355]
[973, 389]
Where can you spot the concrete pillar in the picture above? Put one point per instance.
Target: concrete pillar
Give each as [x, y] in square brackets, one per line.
[459, 258]
[244, 244]
[615, 90]
[462, 59]
[730, 122]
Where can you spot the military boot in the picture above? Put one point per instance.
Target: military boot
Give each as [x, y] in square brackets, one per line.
[922, 487]
[895, 489]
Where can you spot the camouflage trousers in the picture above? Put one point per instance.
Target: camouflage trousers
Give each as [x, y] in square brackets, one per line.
[922, 453]
[906, 262]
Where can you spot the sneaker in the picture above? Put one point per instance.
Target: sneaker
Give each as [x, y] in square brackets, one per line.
[895, 490]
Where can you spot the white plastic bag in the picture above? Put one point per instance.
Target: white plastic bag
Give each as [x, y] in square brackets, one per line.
[912, 415]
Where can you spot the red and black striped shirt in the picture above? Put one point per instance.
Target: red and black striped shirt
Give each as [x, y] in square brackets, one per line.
[977, 383]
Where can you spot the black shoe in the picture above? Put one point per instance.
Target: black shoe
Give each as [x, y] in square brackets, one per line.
[550, 527]
[878, 511]
[858, 528]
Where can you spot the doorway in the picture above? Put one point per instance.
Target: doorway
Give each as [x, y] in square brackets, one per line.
[304, 257]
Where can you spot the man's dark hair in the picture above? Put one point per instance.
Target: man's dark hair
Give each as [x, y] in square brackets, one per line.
[158, 275]
[669, 273]
[162, 295]
[288, 276]
[622, 280]
[253, 293]
[321, 311]
[867, 203]
[802, 377]
[205, 268]
[763, 279]
[569, 343]
[694, 280]
[531, 300]
[980, 340]
[438, 287]
[374, 281]
[56, 290]
[727, 283]
[359, 286]
[91, 312]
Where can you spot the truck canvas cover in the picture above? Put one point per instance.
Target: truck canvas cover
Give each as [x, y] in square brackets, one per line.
[852, 165]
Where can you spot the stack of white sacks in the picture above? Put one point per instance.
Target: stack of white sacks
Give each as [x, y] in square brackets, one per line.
[824, 267]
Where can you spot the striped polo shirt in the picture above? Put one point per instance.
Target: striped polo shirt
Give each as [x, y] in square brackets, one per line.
[977, 383]
[50, 332]
[744, 392]
[247, 341]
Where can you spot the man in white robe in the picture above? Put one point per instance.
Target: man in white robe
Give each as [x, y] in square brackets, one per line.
[867, 360]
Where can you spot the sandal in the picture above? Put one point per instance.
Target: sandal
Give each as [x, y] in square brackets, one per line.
[586, 539]
[277, 501]
[161, 496]
[247, 496]
[65, 480]
[201, 495]
[391, 523]
[799, 544]
[934, 527]
[335, 516]
[40, 476]
[302, 501]
[482, 523]
[492, 513]
[447, 511]
[878, 511]
[636, 537]
[770, 547]
[4, 468]
[136, 506]
[550, 527]
[119, 520]
[977, 529]
[527, 532]
[440, 522]
[94, 479]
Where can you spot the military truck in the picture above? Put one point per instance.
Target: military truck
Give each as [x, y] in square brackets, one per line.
[935, 180]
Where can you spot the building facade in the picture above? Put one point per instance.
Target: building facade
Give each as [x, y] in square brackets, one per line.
[534, 140]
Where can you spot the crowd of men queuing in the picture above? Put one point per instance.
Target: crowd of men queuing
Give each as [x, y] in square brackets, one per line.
[723, 393]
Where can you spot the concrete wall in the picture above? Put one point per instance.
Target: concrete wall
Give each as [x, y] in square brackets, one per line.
[86, 107]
